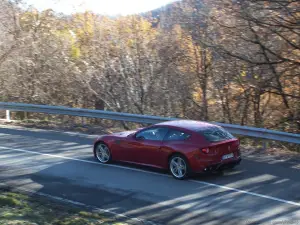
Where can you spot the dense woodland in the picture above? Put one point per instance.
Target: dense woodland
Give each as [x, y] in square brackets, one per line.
[215, 60]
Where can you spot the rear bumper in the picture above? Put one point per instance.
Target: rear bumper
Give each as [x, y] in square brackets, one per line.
[222, 165]
[202, 165]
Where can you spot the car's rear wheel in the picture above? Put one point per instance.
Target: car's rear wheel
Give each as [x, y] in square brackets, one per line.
[178, 167]
[102, 153]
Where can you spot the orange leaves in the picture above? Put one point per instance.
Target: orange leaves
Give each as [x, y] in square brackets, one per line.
[266, 4]
[197, 95]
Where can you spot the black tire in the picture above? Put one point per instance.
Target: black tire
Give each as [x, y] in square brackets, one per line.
[99, 154]
[180, 157]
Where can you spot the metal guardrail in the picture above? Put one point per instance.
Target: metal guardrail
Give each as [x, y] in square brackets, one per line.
[61, 110]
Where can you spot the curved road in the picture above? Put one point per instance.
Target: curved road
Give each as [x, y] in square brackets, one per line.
[261, 190]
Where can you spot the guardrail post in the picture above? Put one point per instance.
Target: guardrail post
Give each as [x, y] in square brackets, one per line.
[7, 115]
[266, 144]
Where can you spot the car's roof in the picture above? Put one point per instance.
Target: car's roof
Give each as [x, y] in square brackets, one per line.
[188, 124]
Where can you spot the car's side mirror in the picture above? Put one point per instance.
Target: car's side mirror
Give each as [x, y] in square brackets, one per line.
[131, 135]
[140, 138]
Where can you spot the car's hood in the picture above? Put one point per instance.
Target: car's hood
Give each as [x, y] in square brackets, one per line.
[123, 133]
[118, 134]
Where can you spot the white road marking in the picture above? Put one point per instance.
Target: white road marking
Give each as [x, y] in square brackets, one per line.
[248, 193]
[149, 172]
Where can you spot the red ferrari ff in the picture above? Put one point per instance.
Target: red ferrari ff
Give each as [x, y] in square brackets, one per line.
[181, 146]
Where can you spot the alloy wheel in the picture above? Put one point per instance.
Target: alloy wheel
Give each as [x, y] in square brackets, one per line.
[178, 167]
[102, 153]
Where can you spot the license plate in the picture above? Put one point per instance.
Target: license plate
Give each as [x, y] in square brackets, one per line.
[228, 156]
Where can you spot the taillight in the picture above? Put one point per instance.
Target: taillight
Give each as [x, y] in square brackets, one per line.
[205, 150]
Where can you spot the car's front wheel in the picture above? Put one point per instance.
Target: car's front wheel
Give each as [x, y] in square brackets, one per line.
[178, 167]
[102, 153]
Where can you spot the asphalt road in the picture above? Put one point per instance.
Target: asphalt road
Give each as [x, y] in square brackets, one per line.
[261, 190]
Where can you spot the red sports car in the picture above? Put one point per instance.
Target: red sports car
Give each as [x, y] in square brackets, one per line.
[181, 146]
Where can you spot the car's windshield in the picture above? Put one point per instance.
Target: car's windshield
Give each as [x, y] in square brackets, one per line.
[215, 134]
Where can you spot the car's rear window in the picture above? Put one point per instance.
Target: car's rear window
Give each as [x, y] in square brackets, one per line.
[176, 135]
[215, 134]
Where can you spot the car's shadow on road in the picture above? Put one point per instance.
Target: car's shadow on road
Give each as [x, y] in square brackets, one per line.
[205, 176]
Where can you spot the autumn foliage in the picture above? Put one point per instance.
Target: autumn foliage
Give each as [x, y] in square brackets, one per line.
[220, 60]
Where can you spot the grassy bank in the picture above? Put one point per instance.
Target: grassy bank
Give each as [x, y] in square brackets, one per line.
[21, 209]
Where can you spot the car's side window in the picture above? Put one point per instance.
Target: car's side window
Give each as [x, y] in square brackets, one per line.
[154, 134]
[176, 135]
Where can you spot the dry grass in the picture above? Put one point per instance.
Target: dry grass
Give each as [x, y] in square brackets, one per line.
[20, 209]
